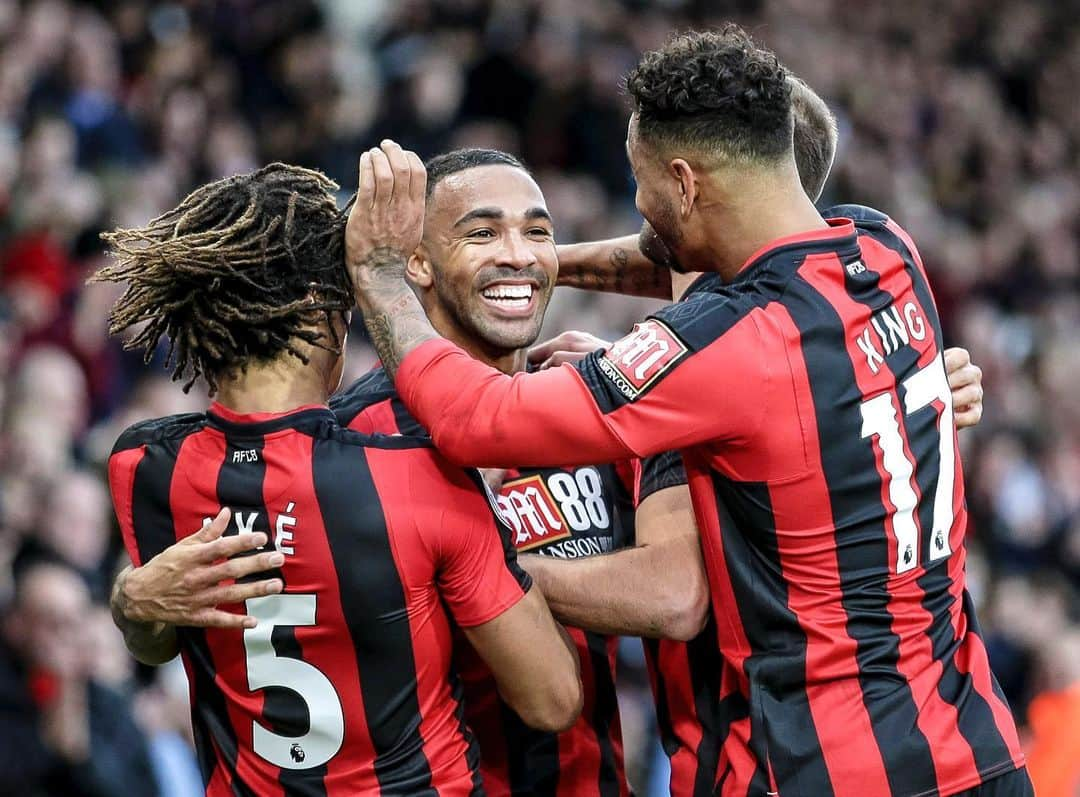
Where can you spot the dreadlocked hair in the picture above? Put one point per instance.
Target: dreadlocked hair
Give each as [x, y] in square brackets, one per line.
[241, 271]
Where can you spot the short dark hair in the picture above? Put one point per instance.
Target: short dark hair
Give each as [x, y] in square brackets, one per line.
[442, 166]
[815, 137]
[235, 274]
[714, 91]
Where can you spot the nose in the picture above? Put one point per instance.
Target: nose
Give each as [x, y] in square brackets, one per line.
[516, 252]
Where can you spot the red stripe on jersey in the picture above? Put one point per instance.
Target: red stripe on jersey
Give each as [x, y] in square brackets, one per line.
[193, 497]
[971, 659]
[843, 724]
[444, 746]
[310, 569]
[951, 755]
[737, 763]
[122, 467]
[730, 632]
[376, 419]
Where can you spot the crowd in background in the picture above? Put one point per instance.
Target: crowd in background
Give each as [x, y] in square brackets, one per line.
[959, 118]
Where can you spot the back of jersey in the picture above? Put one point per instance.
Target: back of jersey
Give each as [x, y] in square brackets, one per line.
[842, 528]
[344, 685]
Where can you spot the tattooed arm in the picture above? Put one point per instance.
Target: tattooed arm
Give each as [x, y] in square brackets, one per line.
[384, 228]
[613, 266]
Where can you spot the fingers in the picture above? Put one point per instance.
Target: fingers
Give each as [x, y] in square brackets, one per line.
[365, 192]
[227, 547]
[417, 178]
[238, 593]
[384, 178]
[956, 358]
[212, 530]
[567, 343]
[560, 357]
[236, 568]
[969, 416]
[216, 618]
[965, 375]
[967, 396]
[399, 167]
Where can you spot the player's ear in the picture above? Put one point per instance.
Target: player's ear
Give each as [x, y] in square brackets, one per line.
[688, 188]
[418, 269]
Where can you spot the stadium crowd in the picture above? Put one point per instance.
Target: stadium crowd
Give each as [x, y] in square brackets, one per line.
[958, 118]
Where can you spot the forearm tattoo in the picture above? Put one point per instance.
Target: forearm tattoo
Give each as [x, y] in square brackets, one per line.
[395, 320]
[619, 274]
[149, 642]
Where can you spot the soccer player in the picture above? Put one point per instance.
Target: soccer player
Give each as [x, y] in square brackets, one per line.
[702, 715]
[343, 685]
[802, 376]
[485, 270]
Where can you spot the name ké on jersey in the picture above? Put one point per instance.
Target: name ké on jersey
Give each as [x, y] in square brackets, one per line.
[566, 513]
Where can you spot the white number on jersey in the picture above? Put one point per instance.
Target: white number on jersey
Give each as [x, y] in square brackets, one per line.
[879, 419]
[265, 668]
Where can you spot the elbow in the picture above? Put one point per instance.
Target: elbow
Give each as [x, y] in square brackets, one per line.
[687, 610]
[559, 709]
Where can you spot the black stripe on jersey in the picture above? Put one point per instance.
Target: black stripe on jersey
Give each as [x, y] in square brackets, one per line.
[371, 587]
[975, 718]
[668, 740]
[369, 389]
[532, 757]
[780, 705]
[604, 712]
[706, 669]
[472, 754]
[863, 551]
[661, 471]
[406, 423]
[240, 487]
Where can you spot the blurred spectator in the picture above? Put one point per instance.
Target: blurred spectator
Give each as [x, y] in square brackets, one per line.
[65, 732]
[967, 131]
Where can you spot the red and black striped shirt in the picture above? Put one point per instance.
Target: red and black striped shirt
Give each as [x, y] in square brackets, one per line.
[702, 713]
[810, 400]
[345, 686]
[561, 512]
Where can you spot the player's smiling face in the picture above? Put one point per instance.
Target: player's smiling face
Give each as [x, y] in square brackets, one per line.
[490, 252]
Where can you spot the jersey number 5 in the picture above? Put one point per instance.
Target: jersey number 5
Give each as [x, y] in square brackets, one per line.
[879, 419]
[265, 668]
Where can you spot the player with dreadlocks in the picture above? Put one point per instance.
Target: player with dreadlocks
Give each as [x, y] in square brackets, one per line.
[324, 663]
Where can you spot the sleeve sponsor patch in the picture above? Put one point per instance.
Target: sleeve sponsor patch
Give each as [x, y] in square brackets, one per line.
[634, 363]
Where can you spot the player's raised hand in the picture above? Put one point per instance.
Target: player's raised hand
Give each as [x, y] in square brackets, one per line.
[387, 220]
[186, 583]
[568, 347]
[965, 381]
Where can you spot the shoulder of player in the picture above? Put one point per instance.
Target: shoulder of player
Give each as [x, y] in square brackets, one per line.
[877, 225]
[156, 430]
[369, 389]
[709, 311]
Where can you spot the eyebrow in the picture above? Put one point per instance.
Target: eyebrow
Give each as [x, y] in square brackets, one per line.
[496, 214]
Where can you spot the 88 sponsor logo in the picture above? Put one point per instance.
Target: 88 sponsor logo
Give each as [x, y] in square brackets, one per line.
[545, 508]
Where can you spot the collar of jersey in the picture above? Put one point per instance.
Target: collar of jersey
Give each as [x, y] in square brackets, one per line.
[840, 234]
[261, 423]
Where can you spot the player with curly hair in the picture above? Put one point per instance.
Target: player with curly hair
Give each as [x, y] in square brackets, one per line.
[802, 378]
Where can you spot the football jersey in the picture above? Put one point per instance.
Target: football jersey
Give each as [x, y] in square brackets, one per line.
[810, 400]
[345, 686]
[565, 513]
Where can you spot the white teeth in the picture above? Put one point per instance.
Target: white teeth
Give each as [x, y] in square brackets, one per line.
[514, 295]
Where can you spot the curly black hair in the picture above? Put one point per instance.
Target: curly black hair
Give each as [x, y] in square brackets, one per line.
[715, 91]
[239, 272]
